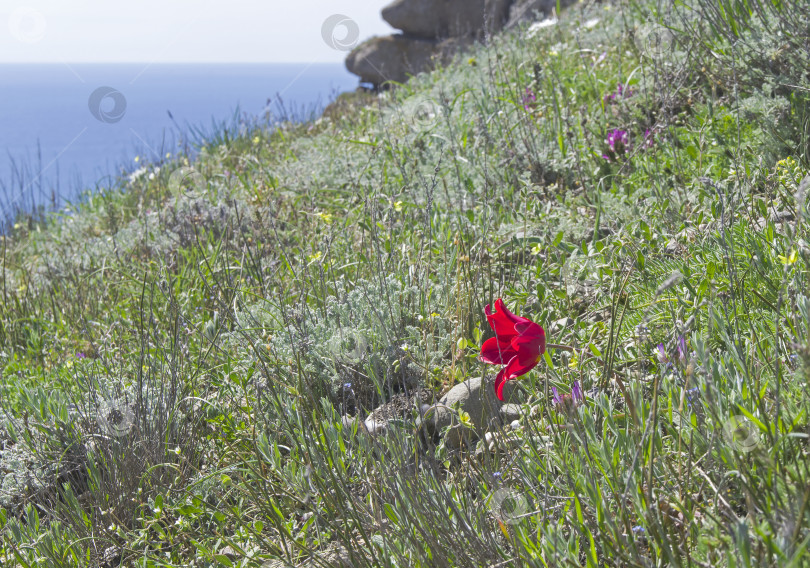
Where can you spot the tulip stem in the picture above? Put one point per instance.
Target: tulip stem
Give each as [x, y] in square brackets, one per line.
[563, 347]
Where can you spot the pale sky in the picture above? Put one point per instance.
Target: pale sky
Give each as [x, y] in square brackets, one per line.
[172, 31]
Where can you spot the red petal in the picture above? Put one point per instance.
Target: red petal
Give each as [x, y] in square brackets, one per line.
[528, 350]
[533, 344]
[503, 321]
[530, 329]
[500, 381]
[520, 365]
[496, 352]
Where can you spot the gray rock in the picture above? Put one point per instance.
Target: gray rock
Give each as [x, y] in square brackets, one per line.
[434, 31]
[483, 407]
[782, 216]
[510, 412]
[480, 403]
[434, 19]
[348, 425]
[391, 58]
[513, 392]
[229, 552]
[376, 426]
[426, 419]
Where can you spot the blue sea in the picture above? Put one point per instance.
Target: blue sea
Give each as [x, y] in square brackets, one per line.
[65, 128]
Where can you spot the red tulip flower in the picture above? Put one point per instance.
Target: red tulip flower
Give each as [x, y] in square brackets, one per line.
[519, 343]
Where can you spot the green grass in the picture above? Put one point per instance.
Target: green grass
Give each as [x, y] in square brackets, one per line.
[221, 317]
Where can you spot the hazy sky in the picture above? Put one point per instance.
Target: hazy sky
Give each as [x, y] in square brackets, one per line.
[158, 31]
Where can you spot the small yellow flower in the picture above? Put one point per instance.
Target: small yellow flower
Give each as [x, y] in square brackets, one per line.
[325, 217]
[256, 140]
[137, 159]
[397, 206]
[790, 259]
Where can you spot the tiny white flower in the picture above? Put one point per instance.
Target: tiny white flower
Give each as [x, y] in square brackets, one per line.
[137, 174]
[591, 23]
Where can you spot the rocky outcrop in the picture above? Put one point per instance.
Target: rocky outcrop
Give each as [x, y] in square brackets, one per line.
[396, 57]
[446, 18]
[433, 31]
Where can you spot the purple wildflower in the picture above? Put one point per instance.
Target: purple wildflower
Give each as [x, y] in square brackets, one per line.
[649, 138]
[616, 137]
[620, 93]
[529, 99]
[618, 142]
[577, 394]
[81, 355]
[682, 350]
[569, 401]
[662, 354]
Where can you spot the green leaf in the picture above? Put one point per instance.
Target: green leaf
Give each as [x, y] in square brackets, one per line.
[187, 510]
[390, 513]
